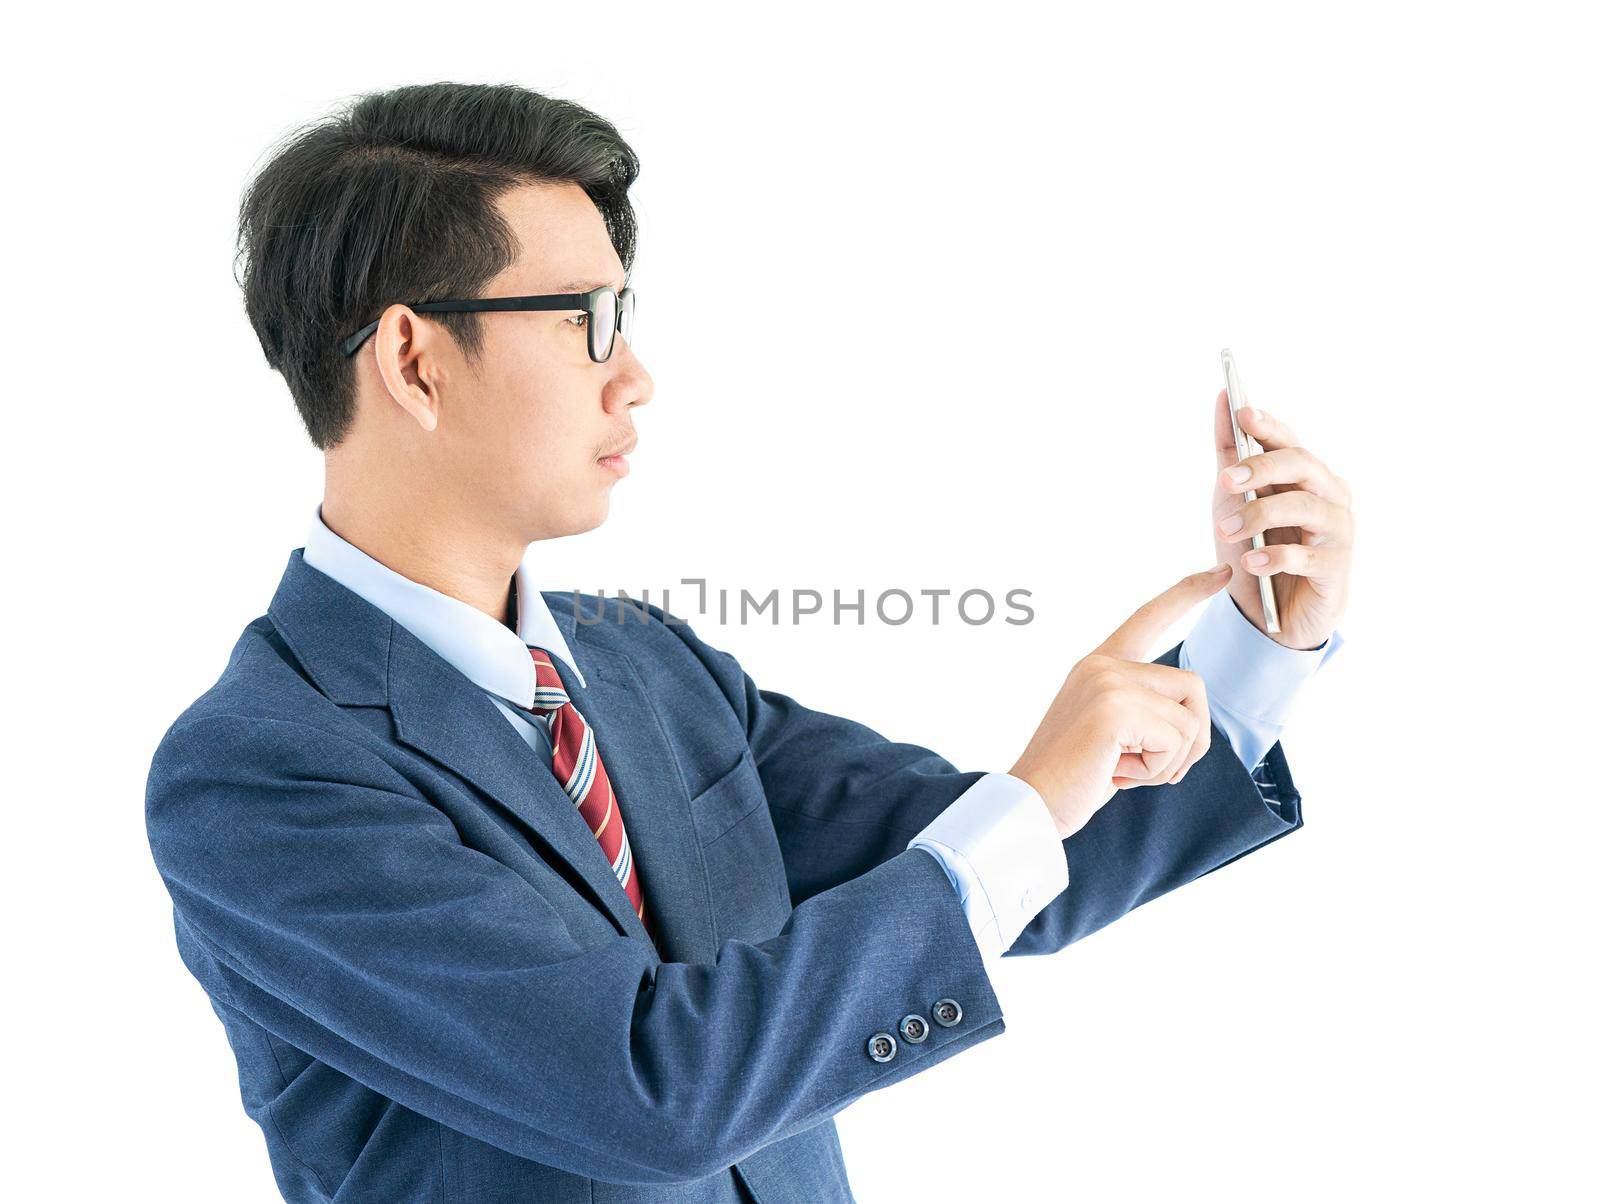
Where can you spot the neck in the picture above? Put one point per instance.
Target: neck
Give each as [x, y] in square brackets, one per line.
[438, 549]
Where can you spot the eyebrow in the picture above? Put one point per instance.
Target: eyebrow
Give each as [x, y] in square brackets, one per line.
[583, 286]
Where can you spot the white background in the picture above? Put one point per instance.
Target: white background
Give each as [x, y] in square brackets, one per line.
[988, 257]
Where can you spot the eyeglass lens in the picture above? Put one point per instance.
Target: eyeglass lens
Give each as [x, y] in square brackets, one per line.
[611, 314]
[602, 326]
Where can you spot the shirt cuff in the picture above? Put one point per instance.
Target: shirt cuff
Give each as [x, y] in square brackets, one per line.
[999, 846]
[1251, 679]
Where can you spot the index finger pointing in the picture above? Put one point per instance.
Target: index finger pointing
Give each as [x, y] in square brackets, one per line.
[1134, 639]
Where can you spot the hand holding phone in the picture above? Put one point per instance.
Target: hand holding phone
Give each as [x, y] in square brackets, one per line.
[1247, 446]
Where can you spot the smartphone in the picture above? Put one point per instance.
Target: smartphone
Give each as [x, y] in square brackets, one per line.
[1247, 446]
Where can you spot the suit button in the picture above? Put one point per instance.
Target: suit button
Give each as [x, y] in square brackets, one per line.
[947, 1012]
[913, 1028]
[880, 1047]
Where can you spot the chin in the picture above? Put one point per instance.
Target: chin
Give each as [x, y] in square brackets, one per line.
[554, 520]
[578, 521]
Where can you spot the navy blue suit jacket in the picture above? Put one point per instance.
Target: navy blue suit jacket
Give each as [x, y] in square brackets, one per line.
[436, 989]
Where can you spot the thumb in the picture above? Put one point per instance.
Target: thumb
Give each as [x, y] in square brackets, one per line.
[1222, 433]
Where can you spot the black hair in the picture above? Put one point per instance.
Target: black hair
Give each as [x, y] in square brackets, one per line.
[392, 199]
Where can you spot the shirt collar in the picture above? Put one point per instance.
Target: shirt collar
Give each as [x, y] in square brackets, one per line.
[487, 652]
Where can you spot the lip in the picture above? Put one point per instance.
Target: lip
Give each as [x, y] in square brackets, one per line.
[617, 461]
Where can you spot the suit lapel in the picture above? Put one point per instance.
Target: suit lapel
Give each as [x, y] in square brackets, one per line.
[442, 713]
[359, 656]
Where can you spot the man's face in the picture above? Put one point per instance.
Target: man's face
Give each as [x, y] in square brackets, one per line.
[521, 435]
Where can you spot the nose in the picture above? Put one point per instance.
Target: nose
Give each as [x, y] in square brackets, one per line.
[630, 385]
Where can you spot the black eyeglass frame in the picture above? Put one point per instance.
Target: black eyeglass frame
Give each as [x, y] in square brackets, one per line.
[588, 302]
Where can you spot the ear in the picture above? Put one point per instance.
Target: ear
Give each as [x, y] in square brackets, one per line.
[409, 356]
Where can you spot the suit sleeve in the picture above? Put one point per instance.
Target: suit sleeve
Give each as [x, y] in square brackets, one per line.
[318, 893]
[1149, 839]
[845, 799]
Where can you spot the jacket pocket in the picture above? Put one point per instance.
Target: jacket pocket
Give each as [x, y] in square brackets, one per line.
[725, 802]
[743, 861]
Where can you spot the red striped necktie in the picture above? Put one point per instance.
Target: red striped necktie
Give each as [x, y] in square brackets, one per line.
[577, 767]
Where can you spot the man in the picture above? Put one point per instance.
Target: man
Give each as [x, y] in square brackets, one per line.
[509, 895]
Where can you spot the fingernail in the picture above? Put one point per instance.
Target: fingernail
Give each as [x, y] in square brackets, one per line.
[1239, 472]
[1232, 523]
[1220, 567]
[1256, 559]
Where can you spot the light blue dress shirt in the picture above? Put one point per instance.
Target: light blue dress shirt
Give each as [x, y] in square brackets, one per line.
[997, 842]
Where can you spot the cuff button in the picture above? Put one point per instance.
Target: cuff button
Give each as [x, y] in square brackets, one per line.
[880, 1047]
[947, 1012]
[913, 1028]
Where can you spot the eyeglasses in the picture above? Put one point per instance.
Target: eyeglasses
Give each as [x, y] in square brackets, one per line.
[609, 311]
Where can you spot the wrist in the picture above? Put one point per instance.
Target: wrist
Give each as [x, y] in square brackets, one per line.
[1025, 771]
